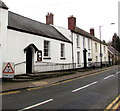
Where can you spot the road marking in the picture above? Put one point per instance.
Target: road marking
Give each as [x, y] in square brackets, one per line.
[30, 89]
[79, 77]
[116, 106]
[7, 93]
[117, 72]
[112, 104]
[44, 102]
[108, 76]
[85, 86]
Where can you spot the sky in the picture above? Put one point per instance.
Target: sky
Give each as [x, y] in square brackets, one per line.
[88, 13]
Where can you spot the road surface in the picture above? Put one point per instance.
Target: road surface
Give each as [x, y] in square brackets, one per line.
[94, 91]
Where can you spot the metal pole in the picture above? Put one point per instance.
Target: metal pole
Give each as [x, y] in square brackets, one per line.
[101, 43]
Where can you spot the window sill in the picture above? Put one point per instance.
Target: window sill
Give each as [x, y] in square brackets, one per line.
[46, 58]
[62, 58]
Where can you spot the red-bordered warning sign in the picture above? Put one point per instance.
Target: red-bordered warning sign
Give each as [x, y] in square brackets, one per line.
[8, 68]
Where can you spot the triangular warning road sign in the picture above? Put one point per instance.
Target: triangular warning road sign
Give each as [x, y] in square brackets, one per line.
[8, 69]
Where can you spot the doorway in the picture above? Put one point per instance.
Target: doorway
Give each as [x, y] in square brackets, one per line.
[85, 58]
[29, 57]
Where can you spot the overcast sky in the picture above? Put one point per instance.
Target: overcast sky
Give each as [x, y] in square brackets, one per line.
[88, 13]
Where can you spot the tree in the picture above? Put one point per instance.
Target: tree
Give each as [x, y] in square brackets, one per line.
[116, 42]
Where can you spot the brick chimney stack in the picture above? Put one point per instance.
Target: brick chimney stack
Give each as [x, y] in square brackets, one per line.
[49, 18]
[92, 31]
[71, 23]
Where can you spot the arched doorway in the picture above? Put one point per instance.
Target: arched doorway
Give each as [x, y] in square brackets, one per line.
[29, 57]
[30, 51]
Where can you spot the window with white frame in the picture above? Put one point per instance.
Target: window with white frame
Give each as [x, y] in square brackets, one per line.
[78, 41]
[83, 42]
[78, 57]
[89, 54]
[104, 50]
[62, 50]
[96, 58]
[105, 59]
[46, 48]
[88, 43]
[95, 47]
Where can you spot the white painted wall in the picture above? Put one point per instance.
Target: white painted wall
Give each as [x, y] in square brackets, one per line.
[80, 49]
[64, 31]
[73, 37]
[94, 53]
[18, 41]
[3, 36]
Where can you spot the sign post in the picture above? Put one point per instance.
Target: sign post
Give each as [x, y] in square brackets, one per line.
[8, 70]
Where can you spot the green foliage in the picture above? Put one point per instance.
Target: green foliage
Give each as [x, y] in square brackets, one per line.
[116, 42]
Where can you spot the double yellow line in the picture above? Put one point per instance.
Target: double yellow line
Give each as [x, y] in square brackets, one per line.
[114, 105]
[11, 92]
[72, 79]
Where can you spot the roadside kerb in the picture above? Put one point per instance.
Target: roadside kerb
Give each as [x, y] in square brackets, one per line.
[24, 88]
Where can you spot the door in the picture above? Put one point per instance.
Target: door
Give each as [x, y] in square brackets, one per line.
[29, 60]
[85, 58]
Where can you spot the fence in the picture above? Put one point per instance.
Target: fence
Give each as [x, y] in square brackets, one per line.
[20, 68]
[53, 67]
[98, 64]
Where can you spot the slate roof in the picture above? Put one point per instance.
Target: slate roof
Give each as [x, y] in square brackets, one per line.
[86, 34]
[82, 32]
[24, 24]
[113, 51]
[2, 5]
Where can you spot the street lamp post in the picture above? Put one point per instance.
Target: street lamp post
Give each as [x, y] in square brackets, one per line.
[101, 44]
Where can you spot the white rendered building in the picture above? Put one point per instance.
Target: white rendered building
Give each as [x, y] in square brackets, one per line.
[31, 45]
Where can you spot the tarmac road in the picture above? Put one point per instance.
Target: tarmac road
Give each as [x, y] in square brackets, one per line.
[89, 92]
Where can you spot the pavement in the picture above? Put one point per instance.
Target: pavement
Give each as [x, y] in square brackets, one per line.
[20, 84]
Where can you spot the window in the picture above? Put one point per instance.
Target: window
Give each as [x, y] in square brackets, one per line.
[78, 57]
[88, 43]
[104, 50]
[95, 47]
[78, 41]
[46, 48]
[96, 58]
[88, 54]
[104, 58]
[83, 42]
[62, 50]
